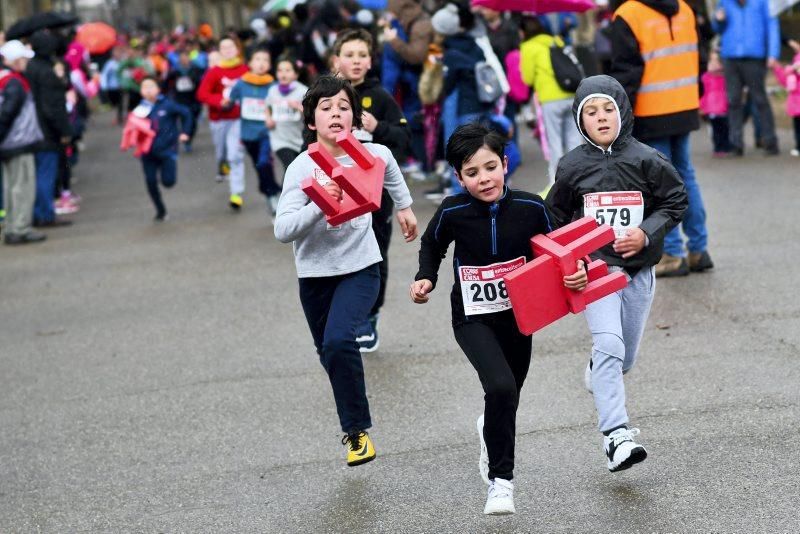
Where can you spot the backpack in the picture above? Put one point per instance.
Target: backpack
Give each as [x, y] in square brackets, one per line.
[566, 67]
[487, 84]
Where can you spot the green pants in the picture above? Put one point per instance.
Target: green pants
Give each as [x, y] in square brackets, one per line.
[19, 193]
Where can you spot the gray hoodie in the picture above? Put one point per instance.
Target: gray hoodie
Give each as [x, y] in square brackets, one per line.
[324, 250]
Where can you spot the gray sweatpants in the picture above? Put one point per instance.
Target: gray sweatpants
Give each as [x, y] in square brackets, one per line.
[19, 193]
[226, 135]
[617, 323]
[560, 130]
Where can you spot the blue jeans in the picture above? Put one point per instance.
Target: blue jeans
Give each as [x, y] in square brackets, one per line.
[46, 174]
[334, 307]
[260, 153]
[676, 148]
[167, 163]
[450, 121]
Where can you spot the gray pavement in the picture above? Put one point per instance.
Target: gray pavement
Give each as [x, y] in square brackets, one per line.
[161, 378]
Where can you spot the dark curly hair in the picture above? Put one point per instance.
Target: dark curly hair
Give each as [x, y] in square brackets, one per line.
[325, 87]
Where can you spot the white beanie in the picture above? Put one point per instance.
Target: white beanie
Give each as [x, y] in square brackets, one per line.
[446, 21]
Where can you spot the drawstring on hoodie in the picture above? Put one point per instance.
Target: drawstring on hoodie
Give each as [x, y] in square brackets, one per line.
[671, 35]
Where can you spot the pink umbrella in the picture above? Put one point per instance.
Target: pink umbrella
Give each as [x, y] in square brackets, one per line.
[536, 6]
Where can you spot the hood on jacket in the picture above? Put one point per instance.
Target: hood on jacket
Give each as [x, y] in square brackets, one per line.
[605, 87]
[668, 8]
[47, 44]
[405, 10]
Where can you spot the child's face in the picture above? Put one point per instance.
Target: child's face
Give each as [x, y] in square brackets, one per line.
[600, 121]
[149, 90]
[259, 63]
[353, 61]
[483, 175]
[333, 114]
[285, 73]
[228, 49]
[184, 59]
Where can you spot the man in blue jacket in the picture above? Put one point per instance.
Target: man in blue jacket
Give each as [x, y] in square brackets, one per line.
[750, 40]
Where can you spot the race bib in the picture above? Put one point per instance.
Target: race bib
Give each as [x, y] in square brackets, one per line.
[621, 210]
[483, 289]
[283, 113]
[254, 109]
[184, 84]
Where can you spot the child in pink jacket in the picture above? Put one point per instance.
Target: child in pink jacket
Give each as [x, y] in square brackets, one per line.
[789, 77]
[714, 105]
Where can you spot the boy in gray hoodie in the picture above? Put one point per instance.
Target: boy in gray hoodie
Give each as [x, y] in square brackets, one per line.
[337, 266]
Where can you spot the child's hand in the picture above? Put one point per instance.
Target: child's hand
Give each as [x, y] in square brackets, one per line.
[368, 121]
[631, 244]
[420, 290]
[295, 104]
[408, 224]
[578, 280]
[183, 138]
[333, 190]
[270, 124]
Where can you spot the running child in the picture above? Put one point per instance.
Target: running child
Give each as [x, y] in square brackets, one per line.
[337, 266]
[382, 122]
[163, 155]
[250, 92]
[491, 226]
[285, 111]
[182, 83]
[635, 189]
[223, 119]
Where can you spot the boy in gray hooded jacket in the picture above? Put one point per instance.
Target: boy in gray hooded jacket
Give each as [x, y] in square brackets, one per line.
[636, 190]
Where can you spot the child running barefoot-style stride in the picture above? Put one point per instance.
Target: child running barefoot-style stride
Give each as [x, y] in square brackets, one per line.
[635, 189]
[491, 226]
[163, 155]
[337, 266]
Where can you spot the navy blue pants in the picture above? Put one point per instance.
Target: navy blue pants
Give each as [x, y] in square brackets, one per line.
[259, 152]
[334, 307]
[46, 175]
[167, 165]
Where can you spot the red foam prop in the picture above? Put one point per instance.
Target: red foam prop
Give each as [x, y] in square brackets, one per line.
[536, 290]
[361, 184]
[137, 134]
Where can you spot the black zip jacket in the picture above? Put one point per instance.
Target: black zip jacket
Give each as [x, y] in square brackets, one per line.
[484, 234]
[627, 165]
[627, 67]
[392, 130]
[49, 91]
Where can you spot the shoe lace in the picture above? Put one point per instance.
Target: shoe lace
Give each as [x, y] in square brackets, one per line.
[497, 490]
[624, 434]
[354, 440]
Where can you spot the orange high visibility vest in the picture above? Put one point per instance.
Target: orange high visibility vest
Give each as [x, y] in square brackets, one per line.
[671, 62]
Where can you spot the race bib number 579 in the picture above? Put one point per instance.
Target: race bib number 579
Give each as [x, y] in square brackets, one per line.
[483, 289]
[621, 210]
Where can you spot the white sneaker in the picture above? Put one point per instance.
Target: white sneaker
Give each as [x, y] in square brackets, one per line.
[500, 500]
[794, 152]
[483, 462]
[587, 377]
[622, 452]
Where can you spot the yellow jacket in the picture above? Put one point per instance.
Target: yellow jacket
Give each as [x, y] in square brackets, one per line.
[537, 69]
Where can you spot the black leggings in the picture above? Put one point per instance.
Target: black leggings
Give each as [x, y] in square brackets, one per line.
[286, 155]
[382, 227]
[501, 355]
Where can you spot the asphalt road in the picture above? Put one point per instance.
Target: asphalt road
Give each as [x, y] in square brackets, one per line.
[161, 378]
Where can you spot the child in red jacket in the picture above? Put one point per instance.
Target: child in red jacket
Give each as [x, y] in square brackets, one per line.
[223, 116]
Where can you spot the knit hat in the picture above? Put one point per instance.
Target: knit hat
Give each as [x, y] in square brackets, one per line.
[13, 50]
[446, 21]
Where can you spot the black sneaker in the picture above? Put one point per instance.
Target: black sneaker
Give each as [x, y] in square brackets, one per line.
[24, 239]
[367, 335]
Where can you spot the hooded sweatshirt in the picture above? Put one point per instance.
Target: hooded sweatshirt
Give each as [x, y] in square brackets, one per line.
[628, 68]
[627, 166]
[392, 130]
[49, 91]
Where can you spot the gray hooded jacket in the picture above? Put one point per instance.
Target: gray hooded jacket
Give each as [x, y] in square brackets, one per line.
[627, 165]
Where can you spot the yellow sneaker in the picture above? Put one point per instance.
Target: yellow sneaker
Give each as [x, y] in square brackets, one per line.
[543, 192]
[236, 202]
[359, 448]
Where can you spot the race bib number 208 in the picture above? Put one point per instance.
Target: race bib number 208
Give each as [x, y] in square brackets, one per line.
[483, 289]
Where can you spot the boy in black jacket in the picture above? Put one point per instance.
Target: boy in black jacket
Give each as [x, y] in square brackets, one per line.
[382, 122]
[635, 189]
[491, 226]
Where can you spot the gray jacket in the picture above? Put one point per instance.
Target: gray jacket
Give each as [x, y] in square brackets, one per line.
[19, 125]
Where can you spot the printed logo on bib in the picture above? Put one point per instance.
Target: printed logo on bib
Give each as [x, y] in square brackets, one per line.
[483, 289]
[621, 210]
[184, 84]
[254, 109]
